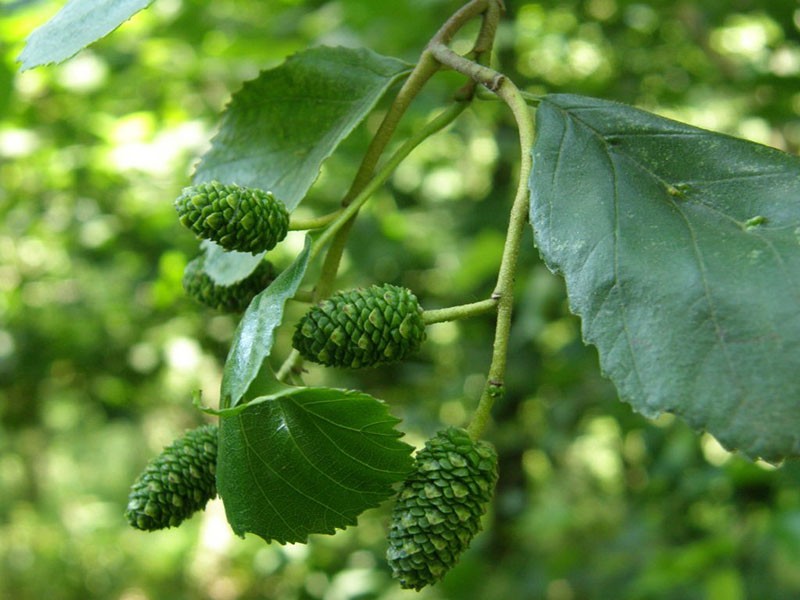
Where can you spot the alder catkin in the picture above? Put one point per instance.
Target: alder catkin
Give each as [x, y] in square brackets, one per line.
[233, 216]
[233, 298]
[177, 483]
[361, 328]
[439, 508]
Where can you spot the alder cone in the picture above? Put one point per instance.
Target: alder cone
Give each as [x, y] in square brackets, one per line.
[361, 328]
[439, 508]
[233, 298]
[235, 217]
[177, 483]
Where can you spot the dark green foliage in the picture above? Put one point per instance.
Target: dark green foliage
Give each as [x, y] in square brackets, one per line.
[177, 483]
[228, 298]
[595, 501]
[308, 460]
[362, 328]
[235, 217]
[439, 509]
[705, 306]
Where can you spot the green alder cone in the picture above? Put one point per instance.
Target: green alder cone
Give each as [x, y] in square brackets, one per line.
[439, 508]
[361, 328]
[235, 217]
[177, 483]
[228, 298]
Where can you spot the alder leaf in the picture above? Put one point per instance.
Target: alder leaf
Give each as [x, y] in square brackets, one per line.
[307, 460]
[227, 267]
[280, 127]
[252, 342]
[75, 26]
[681, 252]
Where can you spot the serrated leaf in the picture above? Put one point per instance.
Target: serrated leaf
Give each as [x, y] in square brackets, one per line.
[681, 252]
[75, 26]
[252, 342]
[265, 383]
[307, 461]
[228, 267]
[280, 127]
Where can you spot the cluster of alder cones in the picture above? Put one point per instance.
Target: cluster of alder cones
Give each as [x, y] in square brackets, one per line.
[439, 507]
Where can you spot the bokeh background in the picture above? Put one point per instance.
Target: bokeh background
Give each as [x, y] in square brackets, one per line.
[100, 351]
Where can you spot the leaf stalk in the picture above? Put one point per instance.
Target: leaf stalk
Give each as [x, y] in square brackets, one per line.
[462, 311]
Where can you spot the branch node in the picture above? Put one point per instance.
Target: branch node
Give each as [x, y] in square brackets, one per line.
[496, 389]
[494, 84]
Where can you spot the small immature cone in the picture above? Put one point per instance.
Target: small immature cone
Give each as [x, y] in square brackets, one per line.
[439, 508]
[235, 217]
[228, 298]
[177, 483]
[361, 328]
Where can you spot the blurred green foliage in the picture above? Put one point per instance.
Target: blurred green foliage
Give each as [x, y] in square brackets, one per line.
[100, 351]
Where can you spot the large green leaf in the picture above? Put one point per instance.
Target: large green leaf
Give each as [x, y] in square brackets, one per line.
[681, 252]
[280, 127]
[75, 26]
[252, 342]
[309, 460]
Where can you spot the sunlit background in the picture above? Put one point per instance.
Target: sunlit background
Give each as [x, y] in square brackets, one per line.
[100, 351]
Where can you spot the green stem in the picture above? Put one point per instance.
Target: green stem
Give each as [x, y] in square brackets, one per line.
[298, 224]
[531, 99]
[304, 296]
[505, 89]
[436, 124]
[423, 71]
[490, 9]
[484, 75]
[345, 219]
[462, 311]
[333, 257]
[291, 367]
[482, 49]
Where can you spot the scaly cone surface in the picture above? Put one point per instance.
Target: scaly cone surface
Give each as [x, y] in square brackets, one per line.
[235, 217]
[362, 328]
[177, 483]
[438, 511]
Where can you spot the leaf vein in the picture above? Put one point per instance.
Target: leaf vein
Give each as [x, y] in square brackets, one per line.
[251, 451]
[313, 465]
[347, 454]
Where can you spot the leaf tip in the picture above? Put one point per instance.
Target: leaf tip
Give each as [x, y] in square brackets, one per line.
[27, 62]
